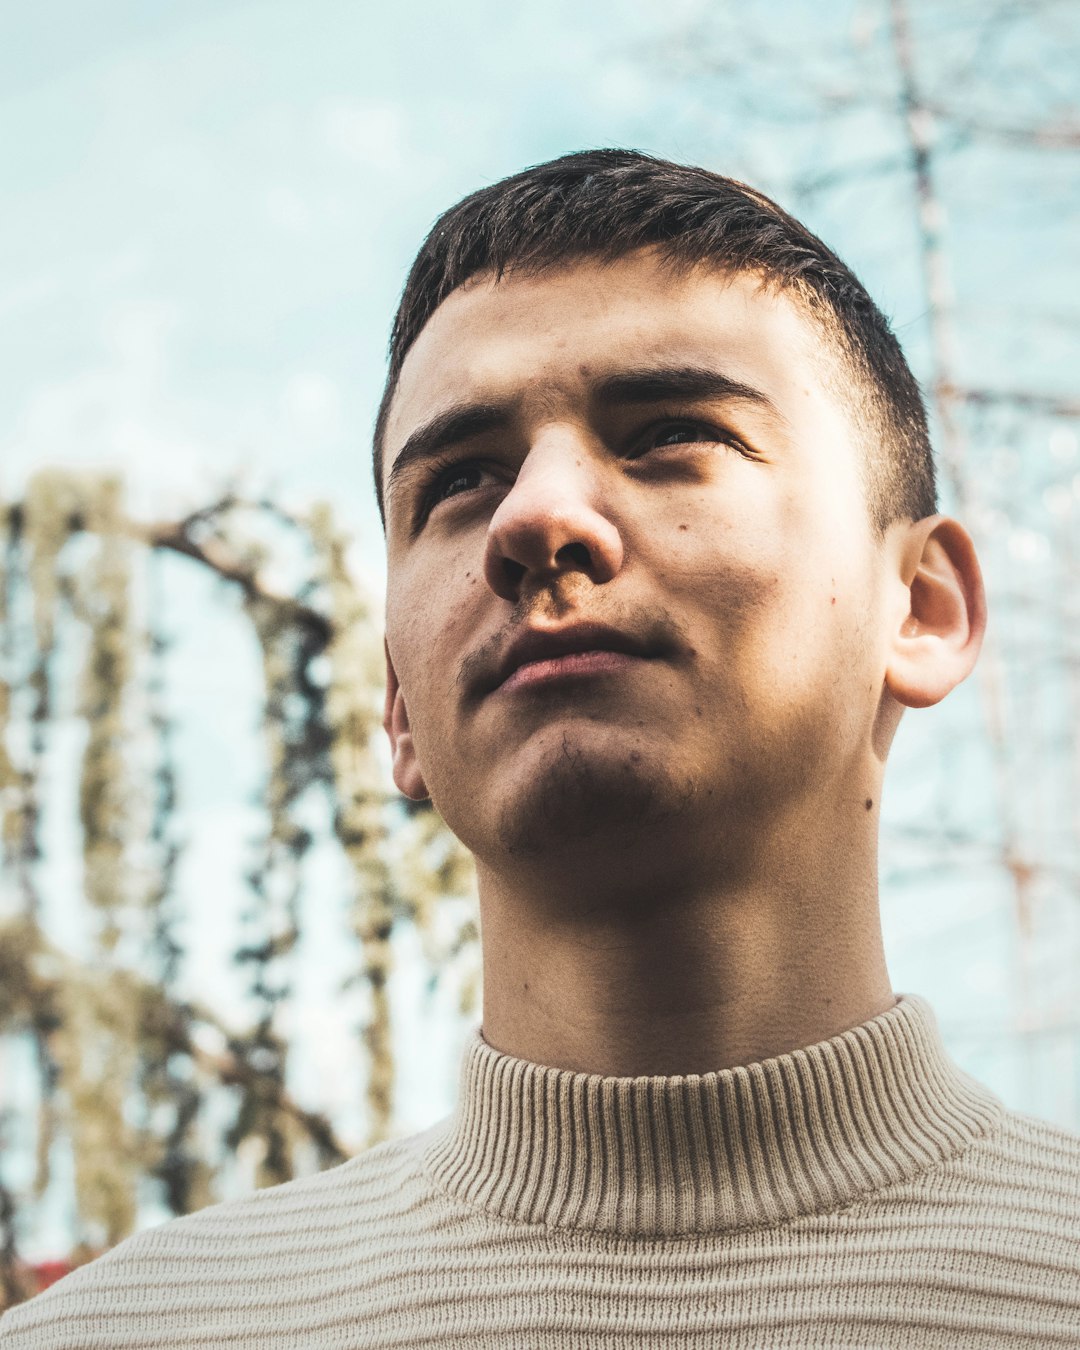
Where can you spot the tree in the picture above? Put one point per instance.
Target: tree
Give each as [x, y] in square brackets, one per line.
[125, 1064]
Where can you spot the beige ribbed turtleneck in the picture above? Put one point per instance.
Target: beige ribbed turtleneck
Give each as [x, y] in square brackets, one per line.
[807, 1132]
[861, 1192]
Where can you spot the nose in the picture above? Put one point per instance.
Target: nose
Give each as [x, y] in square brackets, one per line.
[551, 522]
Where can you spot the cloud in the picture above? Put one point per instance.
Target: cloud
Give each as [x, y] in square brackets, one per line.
[289, 209]
[311, 404]
[370, 133]
[124, 413]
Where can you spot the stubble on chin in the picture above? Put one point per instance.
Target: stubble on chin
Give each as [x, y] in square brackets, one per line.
[577, 797]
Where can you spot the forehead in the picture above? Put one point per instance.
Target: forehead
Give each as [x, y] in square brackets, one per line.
[545, 338]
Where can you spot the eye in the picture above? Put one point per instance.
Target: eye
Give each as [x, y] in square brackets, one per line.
[448, 479]
[677, 436]
[681, 431]
[452, 481]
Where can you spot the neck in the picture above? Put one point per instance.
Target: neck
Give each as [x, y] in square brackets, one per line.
[688, 968]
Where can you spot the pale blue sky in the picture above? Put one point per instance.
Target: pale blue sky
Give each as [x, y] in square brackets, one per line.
[209, 209]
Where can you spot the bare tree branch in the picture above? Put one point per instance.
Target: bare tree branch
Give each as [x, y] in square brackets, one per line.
[1047, 404]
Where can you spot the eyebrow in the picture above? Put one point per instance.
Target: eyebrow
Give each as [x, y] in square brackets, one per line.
[651, 384]
[447, 428]
[654, 384]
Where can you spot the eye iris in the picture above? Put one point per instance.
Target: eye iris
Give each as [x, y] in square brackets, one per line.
[456, 481]
[678, 436]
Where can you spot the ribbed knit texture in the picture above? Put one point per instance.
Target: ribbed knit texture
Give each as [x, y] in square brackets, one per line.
[863, 1192]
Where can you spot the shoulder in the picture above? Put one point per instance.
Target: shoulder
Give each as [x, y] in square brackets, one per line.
[241, 1264]
[1035, 1153]
[1020, 1186]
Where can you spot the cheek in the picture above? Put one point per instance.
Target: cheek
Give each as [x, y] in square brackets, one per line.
[726, 562]
[777, 586]
[431, 625]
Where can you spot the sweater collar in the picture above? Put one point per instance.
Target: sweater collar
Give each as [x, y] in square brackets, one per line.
[802, 1133]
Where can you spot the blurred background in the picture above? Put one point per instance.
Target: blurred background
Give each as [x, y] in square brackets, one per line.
[229, 953]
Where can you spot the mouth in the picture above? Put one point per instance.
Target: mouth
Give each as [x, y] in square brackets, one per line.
[541, 656]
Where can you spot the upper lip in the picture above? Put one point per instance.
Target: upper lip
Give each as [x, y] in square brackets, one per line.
[534, 644]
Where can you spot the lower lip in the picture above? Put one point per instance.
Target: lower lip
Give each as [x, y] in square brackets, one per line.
[565, 667]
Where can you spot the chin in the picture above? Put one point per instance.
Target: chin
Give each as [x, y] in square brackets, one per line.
[578, 797]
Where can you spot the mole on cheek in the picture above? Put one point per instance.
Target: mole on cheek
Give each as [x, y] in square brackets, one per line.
[684, 527]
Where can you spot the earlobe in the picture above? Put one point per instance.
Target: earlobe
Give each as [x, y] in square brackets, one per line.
[407, 777]
[941, 616]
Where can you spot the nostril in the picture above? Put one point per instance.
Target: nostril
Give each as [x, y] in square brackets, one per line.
[513, 571]
[575, 553]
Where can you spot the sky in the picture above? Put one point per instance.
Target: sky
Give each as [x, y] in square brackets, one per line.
[207, 211]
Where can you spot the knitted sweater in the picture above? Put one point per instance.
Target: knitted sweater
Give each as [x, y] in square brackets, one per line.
[862, 1192]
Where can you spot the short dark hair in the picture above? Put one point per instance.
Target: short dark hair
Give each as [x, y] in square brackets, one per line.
[608, 203]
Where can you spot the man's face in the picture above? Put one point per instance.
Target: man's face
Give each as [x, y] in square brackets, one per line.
[656, 454]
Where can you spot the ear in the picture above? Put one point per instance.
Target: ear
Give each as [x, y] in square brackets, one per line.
[942, 615]
[407, 775]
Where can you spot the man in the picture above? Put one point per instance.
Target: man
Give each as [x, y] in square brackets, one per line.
[664, 571]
